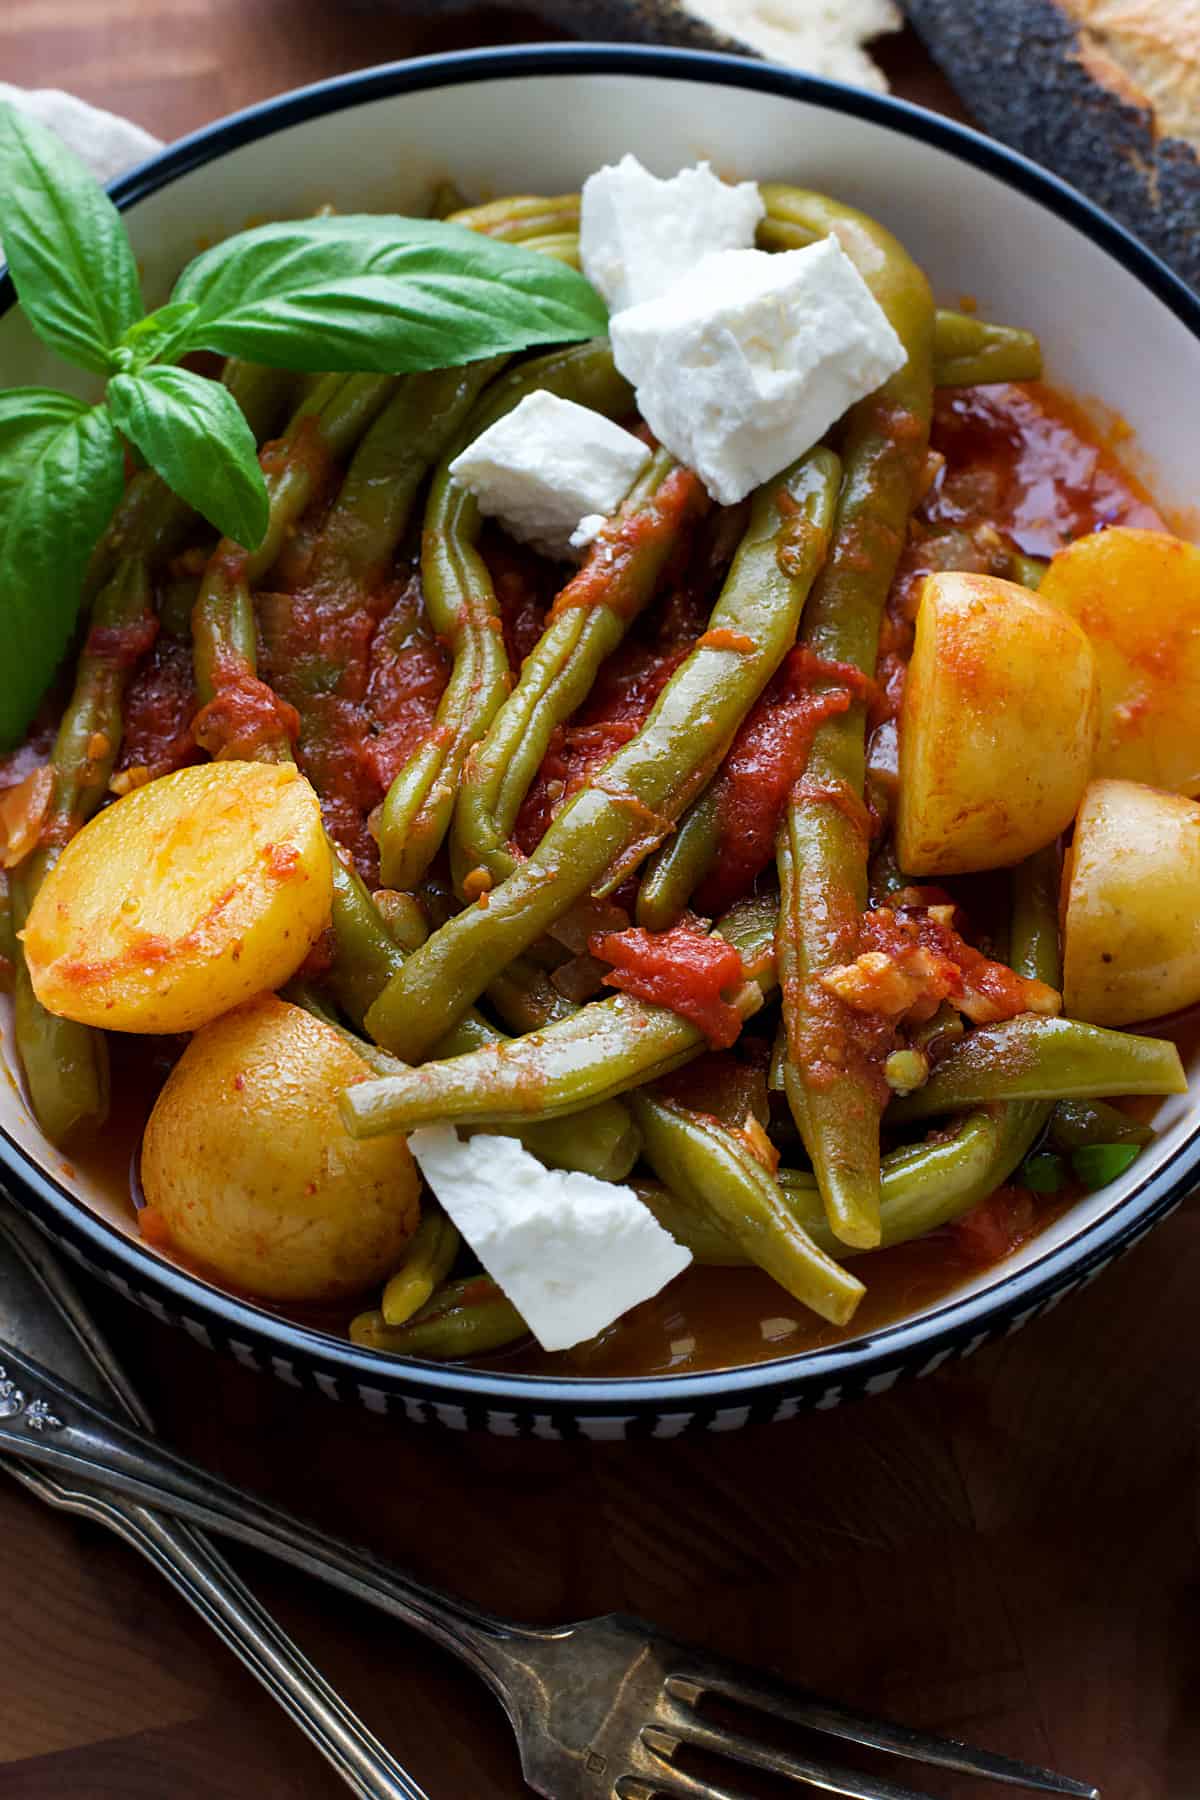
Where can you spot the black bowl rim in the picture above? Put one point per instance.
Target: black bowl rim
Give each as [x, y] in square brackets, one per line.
[956, 1325]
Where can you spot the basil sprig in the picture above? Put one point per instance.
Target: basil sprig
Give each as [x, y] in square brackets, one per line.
[376, 293]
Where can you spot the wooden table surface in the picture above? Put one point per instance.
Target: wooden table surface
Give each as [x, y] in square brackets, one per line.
[1006, 1551]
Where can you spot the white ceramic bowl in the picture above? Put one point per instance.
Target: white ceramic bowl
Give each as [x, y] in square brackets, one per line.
[1113, 322]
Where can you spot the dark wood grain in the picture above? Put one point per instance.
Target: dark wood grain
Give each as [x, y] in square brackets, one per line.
[1007, 1551]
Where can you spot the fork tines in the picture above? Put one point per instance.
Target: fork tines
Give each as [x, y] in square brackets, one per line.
[678, 1725]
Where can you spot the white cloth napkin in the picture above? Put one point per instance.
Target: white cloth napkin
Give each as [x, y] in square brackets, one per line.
[107, 144]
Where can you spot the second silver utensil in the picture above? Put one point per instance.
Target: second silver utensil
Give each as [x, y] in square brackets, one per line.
[42, 1315]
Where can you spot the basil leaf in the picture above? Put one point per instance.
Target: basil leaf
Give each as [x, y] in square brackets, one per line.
[157, 337]
[192, 431]
[66, 246]
[1098, 1164]
[381, 293]
[29, 418]
[57, 499]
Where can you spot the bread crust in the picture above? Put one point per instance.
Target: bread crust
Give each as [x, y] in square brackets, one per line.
[1147, 53]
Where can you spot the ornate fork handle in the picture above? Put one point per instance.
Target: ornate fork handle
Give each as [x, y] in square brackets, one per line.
[44, 1421]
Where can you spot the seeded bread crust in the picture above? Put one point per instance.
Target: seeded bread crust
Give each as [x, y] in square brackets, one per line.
[1104, 92]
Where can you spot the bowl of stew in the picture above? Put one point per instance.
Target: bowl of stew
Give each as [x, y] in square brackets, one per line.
[858, 757]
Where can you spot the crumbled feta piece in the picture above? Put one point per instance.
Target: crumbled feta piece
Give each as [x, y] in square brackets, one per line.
[743, 366]
[639, 235]
[588, 530]
[546, 465]
[572, 1253]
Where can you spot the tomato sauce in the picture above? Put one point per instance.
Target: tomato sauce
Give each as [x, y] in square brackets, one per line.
[684, 968]
[1021, 470]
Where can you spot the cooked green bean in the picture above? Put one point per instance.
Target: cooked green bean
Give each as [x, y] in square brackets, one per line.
[601, 1141]
[925, 1186]
[678, 867]
[708, 1164]
[522, 216]
[428, 1259]
[1074, 1124]
[968, 352]
[461, 604]
[589, 620]
[833, 1085]
[1033, 1058]
[526, 998]
[369, 516]
[464, 1318]
[604, 1049]
[605, 829]
[65, 1063]
[326, 425]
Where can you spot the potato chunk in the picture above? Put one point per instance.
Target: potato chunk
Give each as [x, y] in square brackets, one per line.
[996, 728]
[183, 899]
[1137, 595]
[1131, 941]
[248, 1169]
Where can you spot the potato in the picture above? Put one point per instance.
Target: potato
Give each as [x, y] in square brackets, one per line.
[183, 899]
[996, 728]
[1131, 939]
[1137, 595]
[249, 1170]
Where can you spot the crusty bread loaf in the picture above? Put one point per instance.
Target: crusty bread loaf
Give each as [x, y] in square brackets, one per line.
[1104, 92]
[1147, 53]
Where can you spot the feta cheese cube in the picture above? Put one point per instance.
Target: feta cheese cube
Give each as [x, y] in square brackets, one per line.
[638, 235]
[743, 366]
[548, 464]
[572, 1253]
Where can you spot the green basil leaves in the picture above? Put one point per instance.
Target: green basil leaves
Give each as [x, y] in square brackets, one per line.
[376, 294]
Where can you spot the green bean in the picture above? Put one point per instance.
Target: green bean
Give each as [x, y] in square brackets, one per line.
[404, 916]
[925, 1186]
[428, 1259]
[1034, 1058]
[708, 1164]
[1076, 1123]
[630, 804]
[834, 1088]
[327, 424]
[464, 1318]
[691, 1225]
[968, 352]
[604, 1049]
[563, 246]
[462, 609]
[520, 217]
[602, 1141]
[589, 620]
[371, 512]
[526, 998]
[678, 867]
[1028, 570]
[66, 1063]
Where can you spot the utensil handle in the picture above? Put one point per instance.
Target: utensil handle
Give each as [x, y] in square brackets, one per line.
[205, 1580]
[44, 1421]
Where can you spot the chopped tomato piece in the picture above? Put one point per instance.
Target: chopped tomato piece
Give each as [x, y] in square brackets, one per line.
[683, 968]
[913, 958]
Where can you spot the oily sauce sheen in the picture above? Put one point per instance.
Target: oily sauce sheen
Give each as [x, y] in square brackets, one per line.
[1019, 460]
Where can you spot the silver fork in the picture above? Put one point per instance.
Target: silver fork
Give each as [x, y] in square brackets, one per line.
[601, 1709]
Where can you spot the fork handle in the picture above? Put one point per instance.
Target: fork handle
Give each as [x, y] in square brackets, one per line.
[45, 1421]
[206, 1581]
